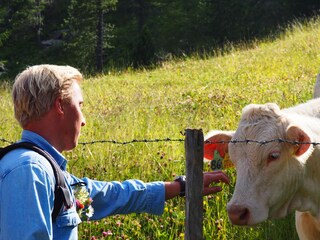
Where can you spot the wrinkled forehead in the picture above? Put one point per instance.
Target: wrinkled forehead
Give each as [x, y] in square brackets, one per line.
[260, 125]
[249, 141]
[260, 131]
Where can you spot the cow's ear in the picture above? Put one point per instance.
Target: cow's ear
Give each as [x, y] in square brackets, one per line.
[296, 134]
[216, 140]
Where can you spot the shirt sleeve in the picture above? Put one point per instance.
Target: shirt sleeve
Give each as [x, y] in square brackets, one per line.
[131, 196]
[26, 191]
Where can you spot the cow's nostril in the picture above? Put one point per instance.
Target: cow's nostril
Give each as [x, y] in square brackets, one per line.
[245, 214]
[239, 215]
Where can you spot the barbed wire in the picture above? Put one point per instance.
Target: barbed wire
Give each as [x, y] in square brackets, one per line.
[278, 140]
[118, 142]
[133, 141]
[234, 141]
[6, 141]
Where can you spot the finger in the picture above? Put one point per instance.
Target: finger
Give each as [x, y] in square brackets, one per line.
[217, 172]
[211, 190]
[216, 177]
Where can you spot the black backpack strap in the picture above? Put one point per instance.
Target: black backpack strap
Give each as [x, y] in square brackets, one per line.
[62, 195]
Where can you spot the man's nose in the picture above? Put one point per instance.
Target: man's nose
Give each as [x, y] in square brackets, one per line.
[83, 122]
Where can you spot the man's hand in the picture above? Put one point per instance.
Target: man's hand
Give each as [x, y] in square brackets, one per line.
[213, 177]
[172, 189]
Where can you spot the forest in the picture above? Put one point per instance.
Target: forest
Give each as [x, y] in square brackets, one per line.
[102, 36]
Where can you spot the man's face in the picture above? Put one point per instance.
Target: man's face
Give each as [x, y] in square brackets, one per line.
[73, 118]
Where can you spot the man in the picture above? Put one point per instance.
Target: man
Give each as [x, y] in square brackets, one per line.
[47, 104]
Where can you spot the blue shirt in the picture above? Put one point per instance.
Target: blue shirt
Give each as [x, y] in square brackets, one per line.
[27, 195]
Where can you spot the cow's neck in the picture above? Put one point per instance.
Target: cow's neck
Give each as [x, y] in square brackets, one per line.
[308, 196]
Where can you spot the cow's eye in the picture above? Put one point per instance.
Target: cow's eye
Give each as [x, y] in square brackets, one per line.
[273, 156]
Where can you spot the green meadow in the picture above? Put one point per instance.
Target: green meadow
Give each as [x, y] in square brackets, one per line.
[202, 93]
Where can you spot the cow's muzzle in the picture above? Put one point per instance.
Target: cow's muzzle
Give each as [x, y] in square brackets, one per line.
[238, 215]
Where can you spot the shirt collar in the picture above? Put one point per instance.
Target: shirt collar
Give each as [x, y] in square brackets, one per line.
[29, 136]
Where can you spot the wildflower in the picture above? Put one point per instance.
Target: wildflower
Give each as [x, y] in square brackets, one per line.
[118, 223]
[107, 233]
[89, 211]
[83, 203]
[79, 204]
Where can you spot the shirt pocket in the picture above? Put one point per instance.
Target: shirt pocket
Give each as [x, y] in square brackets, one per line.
[68, 218]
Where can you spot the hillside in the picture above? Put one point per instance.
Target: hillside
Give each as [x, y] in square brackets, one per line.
[161, 103]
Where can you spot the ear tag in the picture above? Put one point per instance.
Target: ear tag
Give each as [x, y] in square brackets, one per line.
[220, 162]
[227, 163]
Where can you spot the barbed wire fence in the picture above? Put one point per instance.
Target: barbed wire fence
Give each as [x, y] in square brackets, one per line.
[133, 141]
[156, 140]
[194, 151]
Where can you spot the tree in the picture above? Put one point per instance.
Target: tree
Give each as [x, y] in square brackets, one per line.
[99, 46]
[87, 33]
[20, 30]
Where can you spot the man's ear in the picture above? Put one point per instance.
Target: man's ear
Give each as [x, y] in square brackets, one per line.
[58, 105]
[303, 146]
[216, 140]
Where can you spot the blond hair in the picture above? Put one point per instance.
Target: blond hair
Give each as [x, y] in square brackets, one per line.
[36, 88]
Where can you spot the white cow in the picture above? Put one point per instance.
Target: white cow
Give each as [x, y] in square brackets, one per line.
[274, 179]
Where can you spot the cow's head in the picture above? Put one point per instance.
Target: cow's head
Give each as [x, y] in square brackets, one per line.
[268, 175]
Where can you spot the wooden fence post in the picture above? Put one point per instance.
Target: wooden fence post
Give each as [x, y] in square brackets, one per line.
[194, 143]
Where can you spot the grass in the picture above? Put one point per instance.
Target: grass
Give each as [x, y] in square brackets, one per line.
[161, 103]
